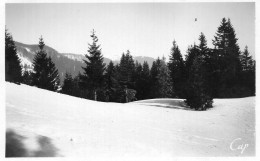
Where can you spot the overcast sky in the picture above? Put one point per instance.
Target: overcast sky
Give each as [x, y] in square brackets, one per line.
[146, 29]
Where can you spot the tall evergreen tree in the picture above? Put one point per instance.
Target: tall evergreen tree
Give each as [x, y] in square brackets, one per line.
[145, 75]
[197, 95]
[127, 69]
[154, 79]
[45, 74]
[94, 70]
[247, 76]
[164, 80]
[203, 45]
[198, 92]
[13, 69]
[176, 67]
[247, 62]
[138, 80]
[192, 53]
[111, 83]
[208, 64]
[154, 86]
[227, 51]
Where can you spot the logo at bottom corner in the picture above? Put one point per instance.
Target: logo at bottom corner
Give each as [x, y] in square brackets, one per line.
[238, 145]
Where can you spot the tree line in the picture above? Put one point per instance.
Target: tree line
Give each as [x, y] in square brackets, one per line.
[205, 73]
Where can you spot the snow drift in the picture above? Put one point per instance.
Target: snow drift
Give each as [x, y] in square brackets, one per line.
[53, 124]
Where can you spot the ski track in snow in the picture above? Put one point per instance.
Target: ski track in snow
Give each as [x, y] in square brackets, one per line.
[149, 128]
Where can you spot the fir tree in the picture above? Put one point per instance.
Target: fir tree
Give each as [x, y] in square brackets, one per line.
[197, 96]
[176, 67]
[208, 64]
[197, 90]
[94, 70]
[127, 68]
[45, 74]
[247, 62]
[164, 80]
[154, 86]
[247, 76]
[138, 80]
[203, 45]
[111, 83]
[67, 87]
[145, 76]
[13, 69]
[227, 52]
[27, 77]
[192, 53]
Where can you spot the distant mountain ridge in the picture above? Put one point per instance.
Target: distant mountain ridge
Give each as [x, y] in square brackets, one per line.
[65, 62]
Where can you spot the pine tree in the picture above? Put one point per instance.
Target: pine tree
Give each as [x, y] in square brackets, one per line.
[247, 76]
[94, 70]
[227, 51]
[111, 83]
[119, 95]
[198, 91]
[27, 77]
[177, 71]
[138, 80]
[146, 80]
[154, 86]
[126, 74]
[198, 96]
[203, 45]
[164, 80]
[13, 69]
[45, 74]
[208, 64]
[67, 87]
[78, 88]
[247, 62]
[127, 68]
[192, 53]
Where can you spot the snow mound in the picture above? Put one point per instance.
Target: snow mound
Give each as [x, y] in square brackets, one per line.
[54, 124]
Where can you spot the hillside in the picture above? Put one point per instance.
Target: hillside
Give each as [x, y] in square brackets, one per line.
[53, 124]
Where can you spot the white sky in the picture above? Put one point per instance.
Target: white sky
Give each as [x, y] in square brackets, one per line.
[146, 29]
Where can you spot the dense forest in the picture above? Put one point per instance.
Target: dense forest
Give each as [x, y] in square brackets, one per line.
[224, 71]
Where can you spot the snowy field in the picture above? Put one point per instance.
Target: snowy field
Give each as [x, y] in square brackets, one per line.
[53, 124]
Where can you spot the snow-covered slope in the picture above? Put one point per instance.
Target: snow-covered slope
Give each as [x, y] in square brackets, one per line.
[70, 126]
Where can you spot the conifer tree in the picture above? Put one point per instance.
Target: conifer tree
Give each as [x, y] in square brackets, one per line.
[145, 75]
[13, 69]
[203, 45]
[198, 92]
[247, 77]
[192, 53]
[45, 74]
[197, 96]
[164, 80]
[227, 51]
[208, 63]
[27, 77]
[247, 62]
[67, 87]
[111, 83]
[138, 80]
[176, 67]
[94, 71]
[127, 68]
[154, 86]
